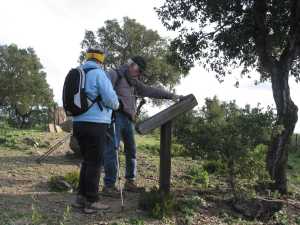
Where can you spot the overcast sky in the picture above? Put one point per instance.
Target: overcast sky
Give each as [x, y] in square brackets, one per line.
[55, 28]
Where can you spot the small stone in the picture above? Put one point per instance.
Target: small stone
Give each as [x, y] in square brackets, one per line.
[30, 141]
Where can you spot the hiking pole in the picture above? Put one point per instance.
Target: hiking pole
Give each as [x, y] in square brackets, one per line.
[118, 163]
[53, 148]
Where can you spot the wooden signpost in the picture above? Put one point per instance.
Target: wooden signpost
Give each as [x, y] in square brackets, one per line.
[164, 120]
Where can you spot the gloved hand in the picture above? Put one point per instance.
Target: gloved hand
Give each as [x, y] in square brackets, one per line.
[120, 105]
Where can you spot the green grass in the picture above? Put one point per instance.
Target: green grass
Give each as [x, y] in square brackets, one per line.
[149, 143]
[13, 138]
[187, 174]
[294, 172]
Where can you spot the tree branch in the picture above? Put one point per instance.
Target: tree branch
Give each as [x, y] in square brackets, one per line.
[290, 51]
[261, 35]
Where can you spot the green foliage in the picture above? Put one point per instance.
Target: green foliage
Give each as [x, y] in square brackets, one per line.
[136, 221]
[129, 38]
[24, 88]
[214, 166]
[177, 150]
[297, 220]
[12, 138]
[148, 143]
[282, 218]
[198, 175]
[223, 35]
[188, 207]
[66, 215]
[158, 205]
[72, 178]
[151, 144]
[234, 137]
[152, 148]
[294, 175]
[36, 216]
[68, 182]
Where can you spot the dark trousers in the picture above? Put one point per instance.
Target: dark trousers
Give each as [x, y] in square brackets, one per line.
[92, 141]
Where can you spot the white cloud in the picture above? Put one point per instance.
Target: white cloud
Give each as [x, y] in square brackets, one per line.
[55, 29]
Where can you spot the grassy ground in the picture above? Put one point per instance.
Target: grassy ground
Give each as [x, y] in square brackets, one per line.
[25, 196]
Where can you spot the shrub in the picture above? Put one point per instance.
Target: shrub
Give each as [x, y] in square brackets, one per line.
[231, 135]
[198, 175]
[158, 204]
[214, 166]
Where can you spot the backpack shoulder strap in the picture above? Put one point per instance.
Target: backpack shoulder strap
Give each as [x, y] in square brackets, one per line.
[89, 69]
[98, 99]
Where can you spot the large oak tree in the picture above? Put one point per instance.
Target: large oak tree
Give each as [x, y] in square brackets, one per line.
[24, 88]
[128, 38]
[252, 34]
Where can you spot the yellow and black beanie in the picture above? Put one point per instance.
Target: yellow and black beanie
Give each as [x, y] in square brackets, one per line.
[94, 53]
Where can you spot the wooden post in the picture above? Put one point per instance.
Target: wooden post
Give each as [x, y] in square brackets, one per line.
[164, 120]
[165, 157]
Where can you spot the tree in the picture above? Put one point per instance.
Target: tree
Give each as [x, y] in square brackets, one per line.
[252, 34]
[24, 88]
[131, 38]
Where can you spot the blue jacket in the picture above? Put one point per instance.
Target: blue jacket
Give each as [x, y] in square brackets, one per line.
[98, 83]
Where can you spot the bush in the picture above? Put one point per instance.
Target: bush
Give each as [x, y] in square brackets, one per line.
[232, 136]
[198, 175]
[177, 150]
[214, 166]
[158, 204]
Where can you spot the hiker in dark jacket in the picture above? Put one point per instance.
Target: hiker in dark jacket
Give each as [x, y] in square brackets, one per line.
[128, 86]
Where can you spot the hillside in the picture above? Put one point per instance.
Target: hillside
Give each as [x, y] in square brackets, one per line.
[26, 197]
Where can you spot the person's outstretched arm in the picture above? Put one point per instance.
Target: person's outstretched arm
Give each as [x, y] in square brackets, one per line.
[152, 92]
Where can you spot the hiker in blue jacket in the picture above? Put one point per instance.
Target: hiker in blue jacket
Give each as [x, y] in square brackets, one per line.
[90, 130]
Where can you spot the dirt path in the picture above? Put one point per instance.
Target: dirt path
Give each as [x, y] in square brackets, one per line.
[25, 197]
[23, 186]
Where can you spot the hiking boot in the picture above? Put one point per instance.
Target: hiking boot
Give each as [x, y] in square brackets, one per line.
[79, 202]
[131, 186]
[93, 207]
[110, 192]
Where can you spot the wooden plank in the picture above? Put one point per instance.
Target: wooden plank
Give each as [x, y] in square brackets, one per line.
[165, 157]
[166, 115]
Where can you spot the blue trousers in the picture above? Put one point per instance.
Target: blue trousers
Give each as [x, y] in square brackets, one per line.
[124, 131]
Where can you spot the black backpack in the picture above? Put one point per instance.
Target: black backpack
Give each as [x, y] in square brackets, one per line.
[75, 99]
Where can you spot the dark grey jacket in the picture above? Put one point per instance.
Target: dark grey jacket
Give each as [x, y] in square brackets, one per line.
[128, 89]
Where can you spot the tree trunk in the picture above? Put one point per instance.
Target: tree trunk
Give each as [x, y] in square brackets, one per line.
[231, 177]
[287, 116]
